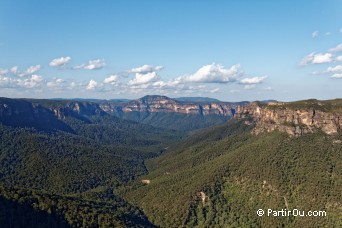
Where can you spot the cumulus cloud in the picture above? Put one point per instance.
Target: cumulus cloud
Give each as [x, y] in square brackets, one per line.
[334, 69]
[33, 81]
[59, 62]
[14, 70]
[32, 69]
[327, 33]
[339, 75]
[313, 58]
[339, 58]
[330, 70]
[111, 79]
[338, 48]
[253, 81]
[3, 71]
[145, 69]
[56, 84]
[92, 85]
[92, 65]
[143, 78]
[214, 73]
[7, 82]
[314, 34]
[249, 86]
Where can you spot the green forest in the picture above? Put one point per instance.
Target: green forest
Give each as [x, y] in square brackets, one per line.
[85, 169]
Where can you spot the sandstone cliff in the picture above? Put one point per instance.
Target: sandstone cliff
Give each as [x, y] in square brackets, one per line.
[294, 121]
[166, 105]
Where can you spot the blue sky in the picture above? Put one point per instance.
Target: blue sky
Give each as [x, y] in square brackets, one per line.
[230, 50]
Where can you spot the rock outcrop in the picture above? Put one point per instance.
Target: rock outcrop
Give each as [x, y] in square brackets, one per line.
[82, 108]
[24, 113]
[272, 116]
[168, 105]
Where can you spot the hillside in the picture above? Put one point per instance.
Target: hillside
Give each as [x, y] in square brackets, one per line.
[225, 174]
[74, 163]
[65, 148]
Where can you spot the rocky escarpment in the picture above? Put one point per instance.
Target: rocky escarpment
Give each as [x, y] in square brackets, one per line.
[45, 115]
[23, 113]
[294, 121]
[76, 108]
[164, 112]
[154, 104]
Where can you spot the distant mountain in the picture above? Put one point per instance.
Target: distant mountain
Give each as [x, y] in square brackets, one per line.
[267, 101]
[120, 100]
[158, 111]
[90, 99]
[196, 99]
[165, 112]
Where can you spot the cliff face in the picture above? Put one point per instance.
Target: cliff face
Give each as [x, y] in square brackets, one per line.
[166, 105]
[158, 111]
[77, 108]
[23, 113]
[293, 121]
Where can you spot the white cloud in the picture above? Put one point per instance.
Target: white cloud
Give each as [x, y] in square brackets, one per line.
[58, 62]
[111, 79]
[327, 33]
[329, 70]
[7, 82]
[338, 48]
[340, 30]
[339, 58]
[56, 84]
[92, 85]
[143, 78]
[254, 80]
[32, 69]
[145, 69]
[313, 58]
[334, 69]
[29, 71]
[3, 71]
[336, 75]
[160, 84]
[214, 73]
[314, 34]
[92, 65]
[33, 81]
[14, 70]
[36, 78]
[249, 86]
[214, 90]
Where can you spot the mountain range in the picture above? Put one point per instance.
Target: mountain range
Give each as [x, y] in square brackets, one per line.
[163, 162]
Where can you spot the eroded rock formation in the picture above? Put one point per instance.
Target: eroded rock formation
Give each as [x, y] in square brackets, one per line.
[165, 104]
[293, 121]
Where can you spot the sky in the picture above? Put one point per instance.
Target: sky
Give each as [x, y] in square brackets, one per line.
[225, 49]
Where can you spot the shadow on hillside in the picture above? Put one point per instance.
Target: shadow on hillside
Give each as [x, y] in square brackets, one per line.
[15, 215]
